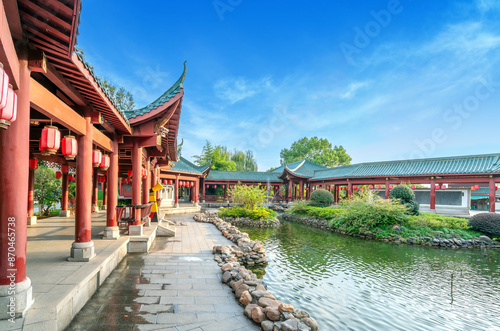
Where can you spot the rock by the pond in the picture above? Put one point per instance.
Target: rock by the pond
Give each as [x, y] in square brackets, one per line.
[286, 307]
[291, 324]
[258, 315]
[226, 276]
[267, 326]
[272, 313]
[485, 239]
[310, 322]
[246, 298]
[266, 302]
[248, 310]
[240, 290]
[300, 314]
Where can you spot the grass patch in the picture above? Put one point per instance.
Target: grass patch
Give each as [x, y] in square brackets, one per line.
[241, 212]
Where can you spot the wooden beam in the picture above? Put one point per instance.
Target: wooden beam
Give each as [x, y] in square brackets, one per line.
[55, 77]
[51, 106]
[12, 12]
[8, 55]
[50, 158]
[101, 140]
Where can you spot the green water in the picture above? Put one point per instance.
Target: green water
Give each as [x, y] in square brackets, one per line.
[356, 284]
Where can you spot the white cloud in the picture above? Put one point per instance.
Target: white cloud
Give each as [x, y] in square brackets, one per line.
[352, 89]
[237, 89]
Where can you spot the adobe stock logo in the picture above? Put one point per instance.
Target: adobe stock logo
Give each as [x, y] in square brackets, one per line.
[363, 37]
[223, 6]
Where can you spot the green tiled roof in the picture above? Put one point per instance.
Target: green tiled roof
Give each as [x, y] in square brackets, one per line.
[303, 168]
[169, 94]
[255, 176]
[185, 166]
[471, 164]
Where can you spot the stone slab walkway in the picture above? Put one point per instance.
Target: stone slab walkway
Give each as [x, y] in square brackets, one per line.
[175, 287]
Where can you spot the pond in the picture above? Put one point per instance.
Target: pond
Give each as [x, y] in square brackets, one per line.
[355, 284]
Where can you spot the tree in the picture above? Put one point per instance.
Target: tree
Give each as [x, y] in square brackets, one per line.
[123, 98]
[222, 159]
[47, 188]
[317, 150]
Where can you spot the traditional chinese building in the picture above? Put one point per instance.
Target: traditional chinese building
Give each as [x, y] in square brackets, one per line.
[56, 109]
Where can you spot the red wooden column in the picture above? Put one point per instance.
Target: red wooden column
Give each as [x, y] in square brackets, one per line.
[145, 185]
[492, 195]
[176, 192]
[95, 175]
[64, 201]
[82, 250]
[349, 189]
[301, 188]
[225, 192]
[136, 178]
[111, 230]
[105, 192]
[196, 191]
[387, 188]
[203, 185]
[31, 197]
[290, 190]
[14, 173]
[433, 194]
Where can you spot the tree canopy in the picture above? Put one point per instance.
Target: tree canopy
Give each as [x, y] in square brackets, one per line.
[222, 159]
[318, 150]
[47, 188]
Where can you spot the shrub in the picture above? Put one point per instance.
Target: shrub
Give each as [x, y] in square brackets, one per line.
[436, 221]
[321, 197]
[327, 213]
[406, 196]
[249, 197]
[368, 213]
[402, 192]
[255, 214]
[487, 223]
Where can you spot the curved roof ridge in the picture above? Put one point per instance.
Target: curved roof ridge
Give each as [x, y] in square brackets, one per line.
[297, 167]
[167, 95]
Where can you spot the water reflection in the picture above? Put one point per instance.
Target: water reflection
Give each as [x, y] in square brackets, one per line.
[355, 284]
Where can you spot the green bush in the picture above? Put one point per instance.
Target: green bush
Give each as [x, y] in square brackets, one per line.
[249, 197]
[406, 196]
[368, 213]
[327, 213]
[402, 192]
[321, 198]
[436, 221]
[255, 214]
[487, 223]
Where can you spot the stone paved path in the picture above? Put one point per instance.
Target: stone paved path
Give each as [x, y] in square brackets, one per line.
[175, 287]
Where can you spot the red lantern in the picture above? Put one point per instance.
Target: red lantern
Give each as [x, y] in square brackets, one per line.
[129, 180]
[355, 188]
[165, 181]
[33, 164]
[437, 187]
[443, 187]
[50, 140]
[71, 177]
[215, 186]
[473, 188]
[413, 187]
[124, 180]
[171, 182]
[476, 187]
[96, 158]
[379, 187]
[105, 161]
[193, 184]
[65, 168]
[371, 187]
[8, 112]
[391, 187]
[69, 147]
[496, 188]
[207, 186]
[58, 174]
[129, 173]
[4, 86]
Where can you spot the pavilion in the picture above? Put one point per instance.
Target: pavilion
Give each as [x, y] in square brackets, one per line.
[58, 111]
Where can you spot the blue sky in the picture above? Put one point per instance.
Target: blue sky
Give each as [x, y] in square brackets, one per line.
[385, 79]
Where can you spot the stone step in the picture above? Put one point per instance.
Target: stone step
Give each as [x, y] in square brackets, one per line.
[164, 230]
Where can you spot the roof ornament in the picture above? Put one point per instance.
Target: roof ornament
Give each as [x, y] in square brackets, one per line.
[179, 148]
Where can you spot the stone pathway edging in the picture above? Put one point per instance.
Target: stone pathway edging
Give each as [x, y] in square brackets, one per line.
[260, 305]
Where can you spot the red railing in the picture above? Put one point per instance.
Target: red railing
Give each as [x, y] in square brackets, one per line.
[132, 215]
